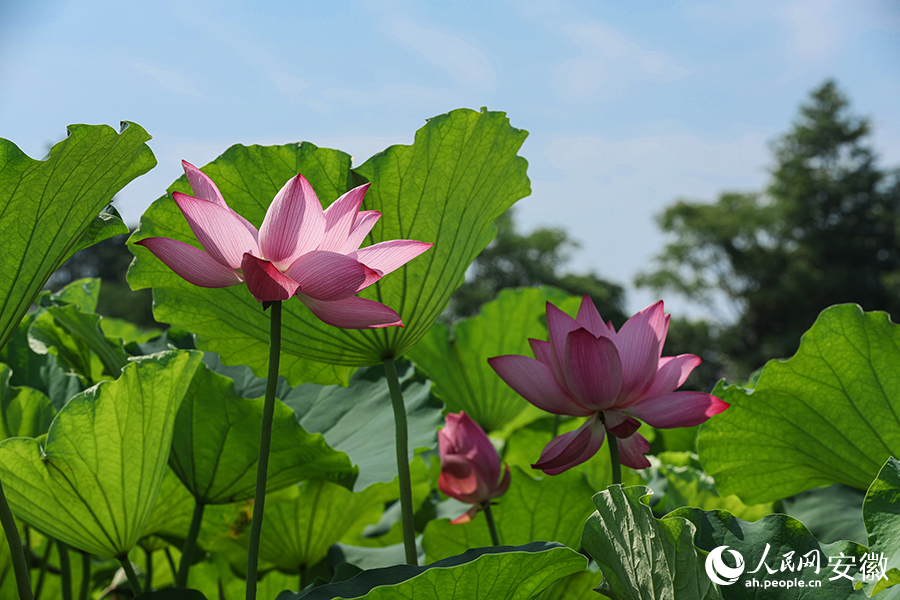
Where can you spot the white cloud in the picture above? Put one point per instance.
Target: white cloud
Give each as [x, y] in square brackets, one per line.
[608, 63]
[467, 64]
[169, 80]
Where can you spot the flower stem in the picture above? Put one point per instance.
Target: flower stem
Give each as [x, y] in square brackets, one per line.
[614, 459]
[171, 562]
[190, 543]
[65, 569]
[85, 576]
[265, 441]
[20, 566]
[406, 509]
[489, 517]
[132, 576]
[45, 563]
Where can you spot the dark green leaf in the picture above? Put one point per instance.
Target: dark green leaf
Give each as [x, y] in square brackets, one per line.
[501, 573]
[359, 419]
[24, 412]
[881, 513]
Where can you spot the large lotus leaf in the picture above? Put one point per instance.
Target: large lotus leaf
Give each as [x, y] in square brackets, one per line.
[171, 515]
[830, 414]
[50, 205]
[456, 360]
[501, 573]
[578, 586]
[553, 509]
[24, 412]
[461, 173]
[777, 549]
[677, 480]
[93, 483]
[302, 522]
[216, 445]
[640, 557]
[830, 513]
[359, 419]
[881, 513]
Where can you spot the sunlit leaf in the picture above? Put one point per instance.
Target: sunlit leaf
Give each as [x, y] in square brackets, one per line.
[830, 414]
[881, 513]
[456, 360]
[553, 509]
[93, 483]
[461, 173]
[49, 205]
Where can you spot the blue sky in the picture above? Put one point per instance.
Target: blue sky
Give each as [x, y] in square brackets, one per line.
[629, 106]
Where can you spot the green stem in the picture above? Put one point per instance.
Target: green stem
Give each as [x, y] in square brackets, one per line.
[132, 576]
[20, 566]
[555, 426]
[489, 517]
[187, 553]
[65, 568]
[406, 508]
[45, 563]
[171, 562]
[614, 459]
[265, 440]
[148, 571]
[85, 576]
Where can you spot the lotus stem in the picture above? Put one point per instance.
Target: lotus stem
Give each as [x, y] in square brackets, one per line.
[42, 574]
[132, 576]
[171, 562]
[187, 554]
[85, 576]
[148, 571]
[65, 569]
[406, 508]
[614, 459]
[489, 517]
[265, 441]
[20, 566]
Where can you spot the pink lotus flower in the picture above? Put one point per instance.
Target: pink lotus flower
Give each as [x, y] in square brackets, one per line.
[587, 369]
[470, 467]
[300, 250]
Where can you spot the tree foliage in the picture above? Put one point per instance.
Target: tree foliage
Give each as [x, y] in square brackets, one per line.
[514, 259]
[824, 232]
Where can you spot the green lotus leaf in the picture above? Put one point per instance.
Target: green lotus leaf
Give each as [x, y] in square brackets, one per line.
[24, 412]
[776, 549]
[830, 414]
[216, 445]
[881, 514]
[50, 206]
[456, 360]
[677, 480]
[639, 556]
[359, 419]
[553, 509]
[501, 573]
[94, 481]
[461, 173]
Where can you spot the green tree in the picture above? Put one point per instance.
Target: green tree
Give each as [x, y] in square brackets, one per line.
[825, 231]
[513, 260]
